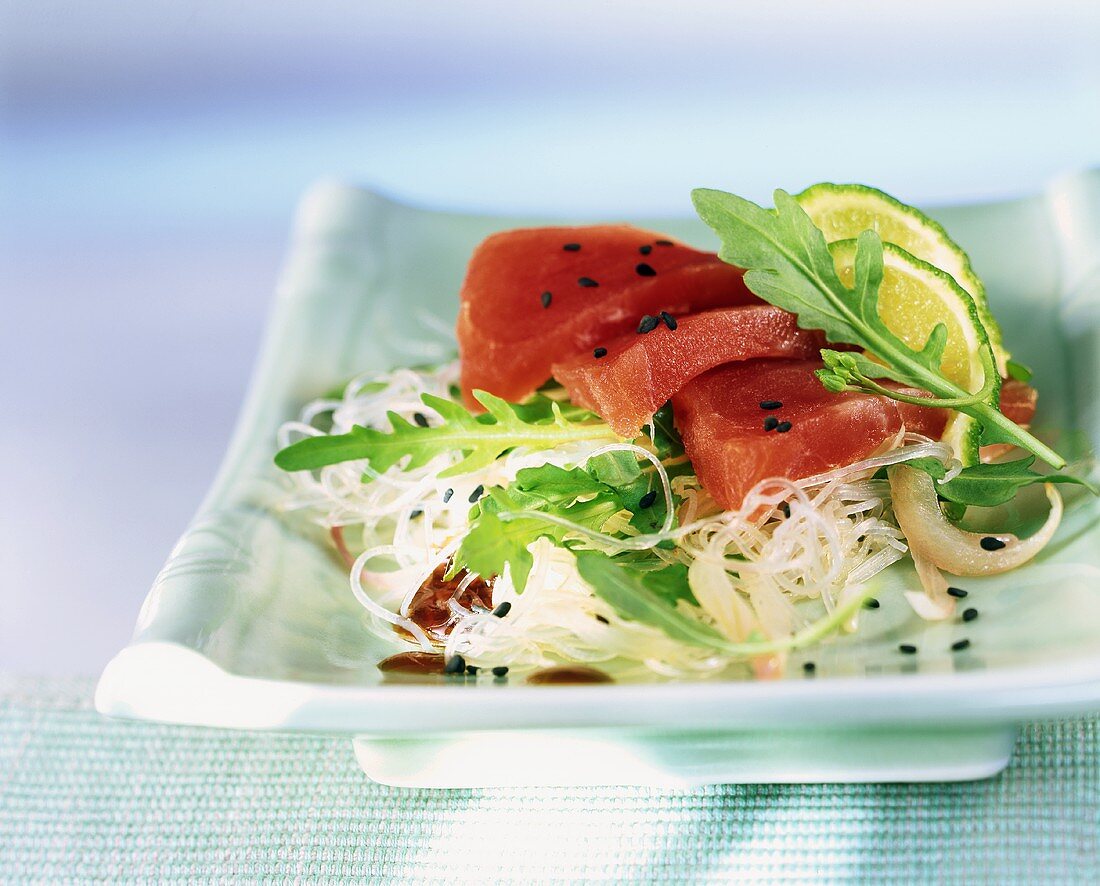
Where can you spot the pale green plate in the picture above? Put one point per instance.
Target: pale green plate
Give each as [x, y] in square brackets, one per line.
[251, 624]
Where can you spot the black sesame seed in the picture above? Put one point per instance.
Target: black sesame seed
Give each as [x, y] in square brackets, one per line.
[477, 493]
[602, 620]
[957, 592]
[572, 247]
[907, 649]
[989, 543]
[447, 495]
[783, 427]
[421, 419]
[545, 298]
[644, 270]
[771, 423]
[663, 242]
[456, 664]
[960, 645]
[471, 670]
[645, 250]
[647, 324]
[599, 352]
[646, 501]
[587, 282]
[415, 513]
[668, 319]
[786, 509]
[771, 404]
[503, 609]
[500, 671]
[871, 603]
[809, 667]
[970, 614]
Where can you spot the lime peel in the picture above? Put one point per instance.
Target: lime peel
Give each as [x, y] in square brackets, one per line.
[843, 211]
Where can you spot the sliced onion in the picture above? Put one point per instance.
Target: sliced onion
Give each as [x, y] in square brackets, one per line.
[937, 540]
[933, 603]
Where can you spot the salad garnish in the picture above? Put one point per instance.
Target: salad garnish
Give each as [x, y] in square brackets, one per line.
[788, 264]
[481, 438]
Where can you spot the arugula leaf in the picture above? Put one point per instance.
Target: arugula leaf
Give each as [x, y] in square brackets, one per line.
[636, 599]
[588, 496]
[670, 584]
[558, 486]
[666, 438]
[492, 542]
[1018, 371]
[617, 468]
[953, 511]
[987, 485]
[481, 439]
[931, 466]
[788, 264]
[622, 471]
[540, 407]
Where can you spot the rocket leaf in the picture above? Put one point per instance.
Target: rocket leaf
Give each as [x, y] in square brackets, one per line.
[481, 440]
[788, 264]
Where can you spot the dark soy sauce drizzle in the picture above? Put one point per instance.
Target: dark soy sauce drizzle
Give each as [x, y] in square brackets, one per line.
[568, 674]
[413, 663]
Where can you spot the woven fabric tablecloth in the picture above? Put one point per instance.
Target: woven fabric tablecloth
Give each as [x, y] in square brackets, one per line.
[83, 798]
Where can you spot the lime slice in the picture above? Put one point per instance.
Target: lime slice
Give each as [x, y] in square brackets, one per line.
[914, 296]
[842, 212]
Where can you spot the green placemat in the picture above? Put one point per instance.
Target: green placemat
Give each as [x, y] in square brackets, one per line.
[83, 798]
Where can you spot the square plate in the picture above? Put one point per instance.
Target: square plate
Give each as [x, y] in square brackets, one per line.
[250, 624]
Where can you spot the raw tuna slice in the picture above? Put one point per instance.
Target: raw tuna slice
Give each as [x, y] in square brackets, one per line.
[540, 296]
[640, 372]
[720, 417]
[1018, 401]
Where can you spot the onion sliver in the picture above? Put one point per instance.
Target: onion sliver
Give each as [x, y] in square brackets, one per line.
[935, 538]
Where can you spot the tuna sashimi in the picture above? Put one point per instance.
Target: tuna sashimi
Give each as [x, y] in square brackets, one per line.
[636, 374]
[1018, 401]
[736, 435]
[723, 415]
[538, 296]
[926, 420]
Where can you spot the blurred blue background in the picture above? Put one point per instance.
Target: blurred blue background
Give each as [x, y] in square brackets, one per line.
[151, 155]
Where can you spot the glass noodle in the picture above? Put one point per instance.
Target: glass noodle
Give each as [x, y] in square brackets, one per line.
[789, 556]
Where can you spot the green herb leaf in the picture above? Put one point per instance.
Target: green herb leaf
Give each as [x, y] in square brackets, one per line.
[502, 528]
[666, 439]
[789, 265]
[493, 543]
[638, 596]
[641, 597]
[617, 468]
[670, 584]
[558, 486]
[953, 511]
[481, 439]
[495, 540]
[988, 485]
[1018, 371]
[931, 466]
[540, 407]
